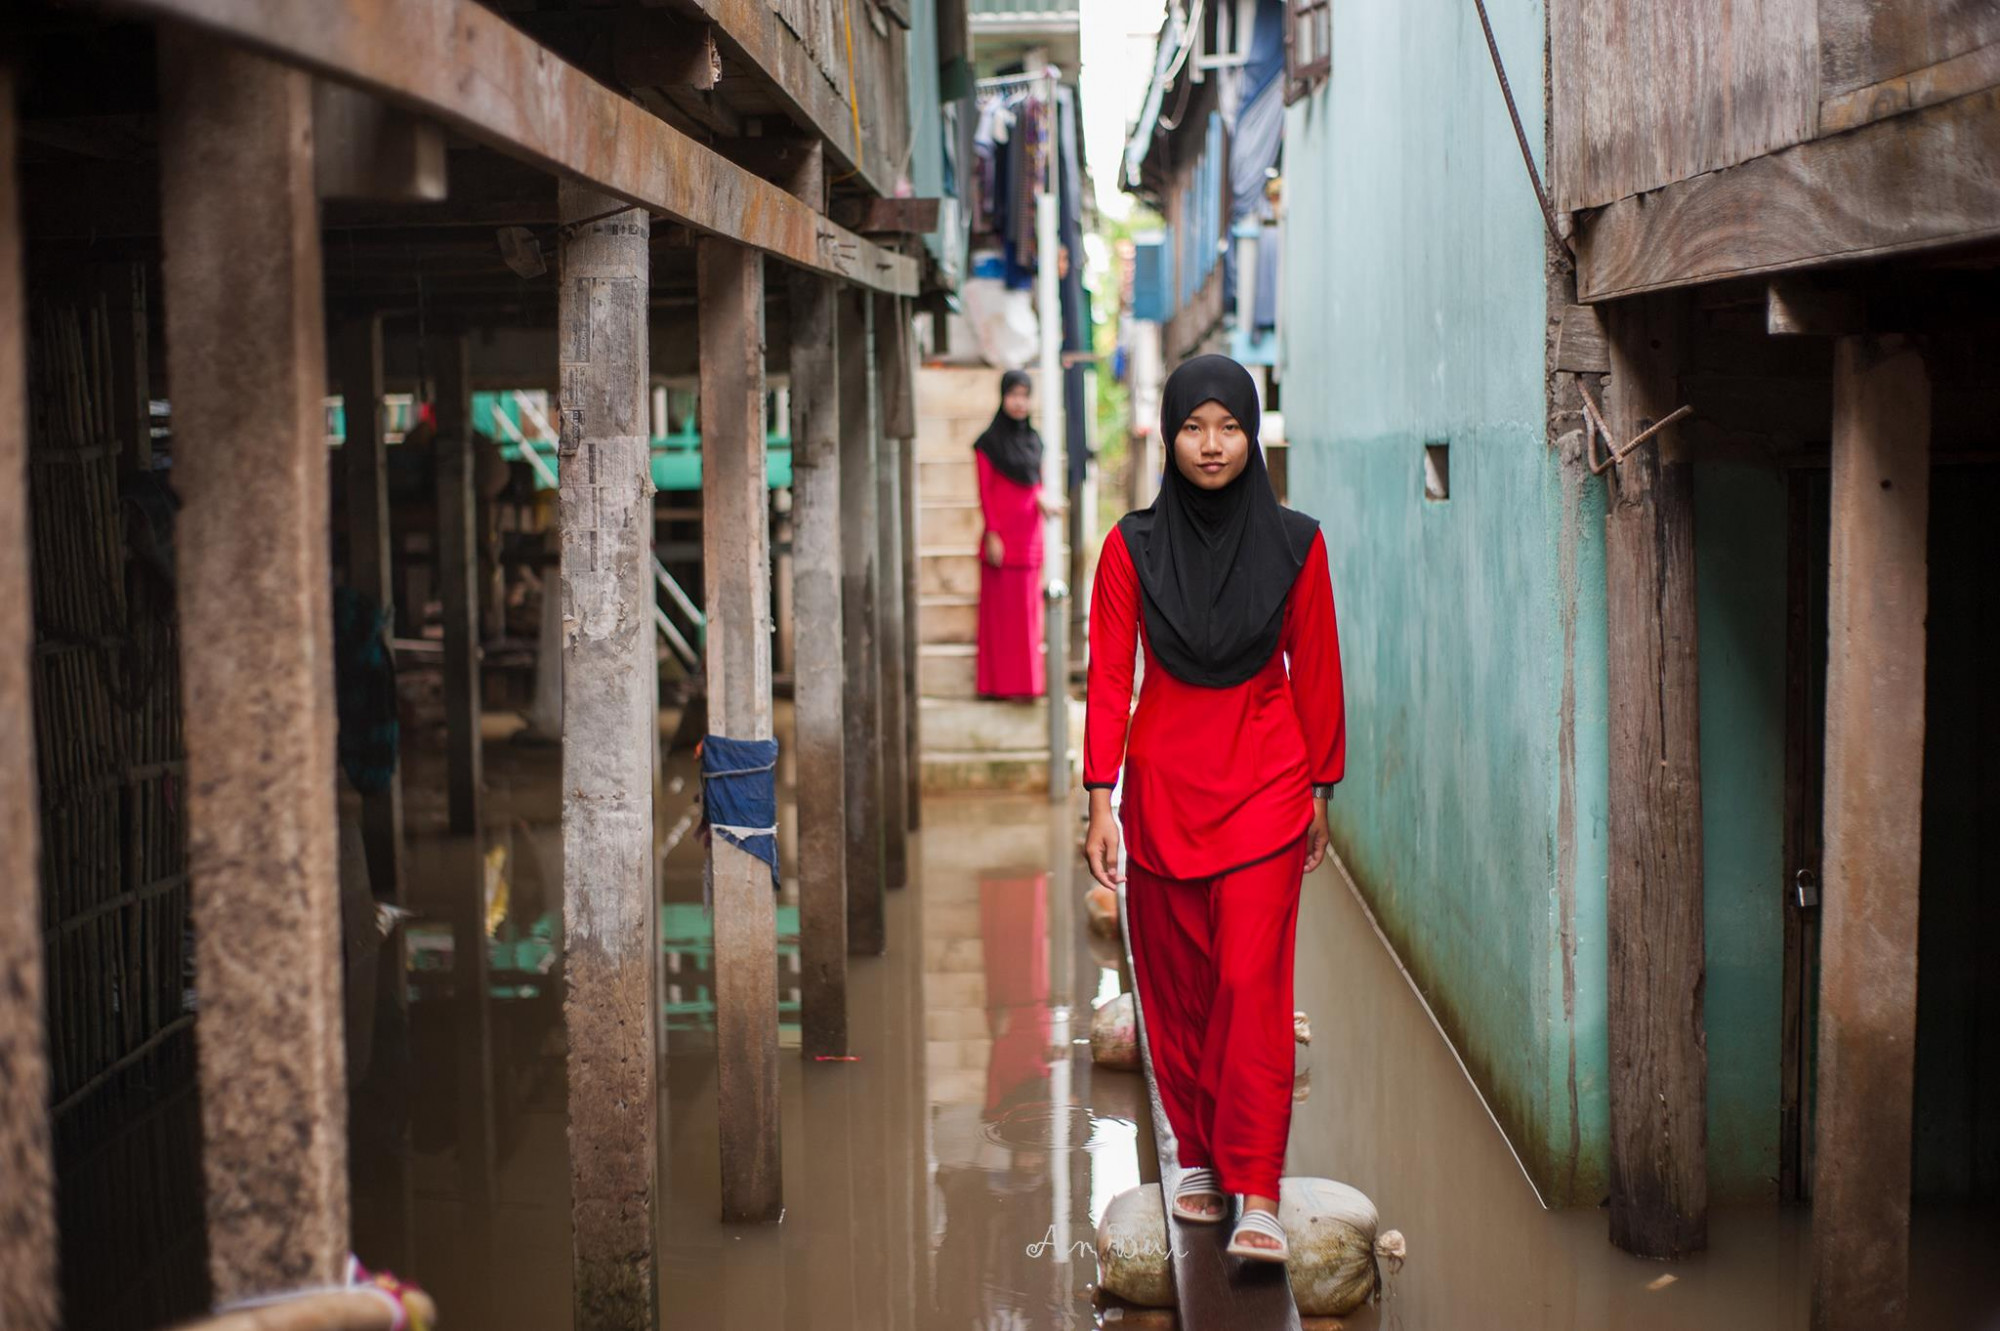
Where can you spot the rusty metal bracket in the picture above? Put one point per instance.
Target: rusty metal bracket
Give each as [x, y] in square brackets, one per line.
[1594, 426]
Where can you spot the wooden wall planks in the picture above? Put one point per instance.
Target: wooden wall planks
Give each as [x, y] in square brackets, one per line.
[1647, 94]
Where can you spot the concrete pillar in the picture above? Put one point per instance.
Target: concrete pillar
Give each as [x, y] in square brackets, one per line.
[28, 1298]
[610, 729]
[1659, 1063]
[736, 575]
[357, 359]
[897, 414]
[860, 553]
[819, 680]
[1877, 594]
[457, 568]
[246, 366]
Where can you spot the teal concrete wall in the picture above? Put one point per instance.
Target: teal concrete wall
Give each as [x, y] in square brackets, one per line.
[1472, 629]
[1740, 562]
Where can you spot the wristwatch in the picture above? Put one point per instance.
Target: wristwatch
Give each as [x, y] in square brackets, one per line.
[1323, 792]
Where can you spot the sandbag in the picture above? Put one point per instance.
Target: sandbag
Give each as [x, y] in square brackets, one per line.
[1336, 1258]
[1114, 1034]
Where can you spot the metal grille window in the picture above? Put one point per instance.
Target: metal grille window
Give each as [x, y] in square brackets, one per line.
[1308, 46]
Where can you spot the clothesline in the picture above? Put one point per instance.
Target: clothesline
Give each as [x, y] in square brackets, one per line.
[1003, 80]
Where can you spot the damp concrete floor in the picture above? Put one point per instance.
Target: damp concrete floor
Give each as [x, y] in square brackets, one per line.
[951, 1175]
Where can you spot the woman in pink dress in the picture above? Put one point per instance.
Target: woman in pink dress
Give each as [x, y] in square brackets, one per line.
[1010, 547]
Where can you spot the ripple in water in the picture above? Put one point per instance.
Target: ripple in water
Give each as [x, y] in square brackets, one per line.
[1032, 1126]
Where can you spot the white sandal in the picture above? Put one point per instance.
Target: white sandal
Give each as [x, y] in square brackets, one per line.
[1199, 1183]
[1260, 1222]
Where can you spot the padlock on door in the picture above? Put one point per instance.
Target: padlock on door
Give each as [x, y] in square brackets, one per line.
[1805, 889]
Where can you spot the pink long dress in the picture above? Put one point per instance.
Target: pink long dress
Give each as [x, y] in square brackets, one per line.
[1010, 596]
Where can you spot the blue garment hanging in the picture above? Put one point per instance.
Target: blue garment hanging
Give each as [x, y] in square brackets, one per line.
[739, 794]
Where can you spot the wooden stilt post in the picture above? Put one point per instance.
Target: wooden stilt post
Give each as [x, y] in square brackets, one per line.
[124, 287]
[365, 465]
[897, 415]
[819, 680]
[860, 550]
[246, 362]
[457, 566]
[912, 626]
[27, 1201]
[736, 575]
[1877, 593]
[357, 361]
[610, 730]
[1659, 1068]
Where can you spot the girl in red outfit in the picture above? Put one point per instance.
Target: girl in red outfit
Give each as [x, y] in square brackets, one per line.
[1237, 743]
[1009, 664]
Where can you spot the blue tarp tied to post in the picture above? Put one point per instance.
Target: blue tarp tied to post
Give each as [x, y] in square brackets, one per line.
[739, 794]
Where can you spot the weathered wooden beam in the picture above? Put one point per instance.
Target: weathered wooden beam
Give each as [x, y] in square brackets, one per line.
[655, 49]
[860, 551]
[1580, 345]
[796, 165]
[736, 574]
[610, 731]
[1913, 182]
[364, 148]
[754, 37]
[466, 66]
[1877, 593]
[357, 361]
[457, 563]
[1797, 306]
[28, 1297]
[899, 426]
[1659, 1132]
[818, 680]
[246, 369]
[1966, 72]
[887, 217]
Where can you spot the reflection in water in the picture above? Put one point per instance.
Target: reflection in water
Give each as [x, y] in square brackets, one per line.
[951, 1176]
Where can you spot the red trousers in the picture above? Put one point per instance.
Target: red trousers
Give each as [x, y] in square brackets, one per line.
[1214, 963]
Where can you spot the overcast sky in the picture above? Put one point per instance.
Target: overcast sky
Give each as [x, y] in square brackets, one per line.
[1118, 38]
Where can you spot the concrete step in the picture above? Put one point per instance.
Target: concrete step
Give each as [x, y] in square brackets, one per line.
[950, 524]
[950, 438]
[1021, 771]
[957, 390]
[947, 573]
[947, 482]
[949, 618]
[982, 725]
[947, 670]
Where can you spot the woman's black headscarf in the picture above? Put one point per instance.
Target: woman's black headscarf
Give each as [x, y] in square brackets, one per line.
[1215, 566]
[1012, 446]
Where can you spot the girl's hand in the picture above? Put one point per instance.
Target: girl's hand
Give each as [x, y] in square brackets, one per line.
[1054, 507]
[992, 548]
[1100, 845]
[1316, 836]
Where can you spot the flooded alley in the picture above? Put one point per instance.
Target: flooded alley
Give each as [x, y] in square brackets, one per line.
[953, 1174]
[972, 665]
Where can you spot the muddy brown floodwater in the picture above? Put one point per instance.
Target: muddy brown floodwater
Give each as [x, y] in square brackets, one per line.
[952, 1174]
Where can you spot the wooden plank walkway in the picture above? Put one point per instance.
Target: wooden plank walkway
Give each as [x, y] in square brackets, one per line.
[1216, 1292]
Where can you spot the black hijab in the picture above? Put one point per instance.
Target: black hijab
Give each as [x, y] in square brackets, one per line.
[1215, 566]
[1012, 446]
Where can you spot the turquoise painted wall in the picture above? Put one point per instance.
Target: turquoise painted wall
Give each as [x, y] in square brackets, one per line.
[1472, 629]
[1740, 562]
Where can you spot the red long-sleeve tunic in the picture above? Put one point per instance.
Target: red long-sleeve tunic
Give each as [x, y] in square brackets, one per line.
[1214, 778]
